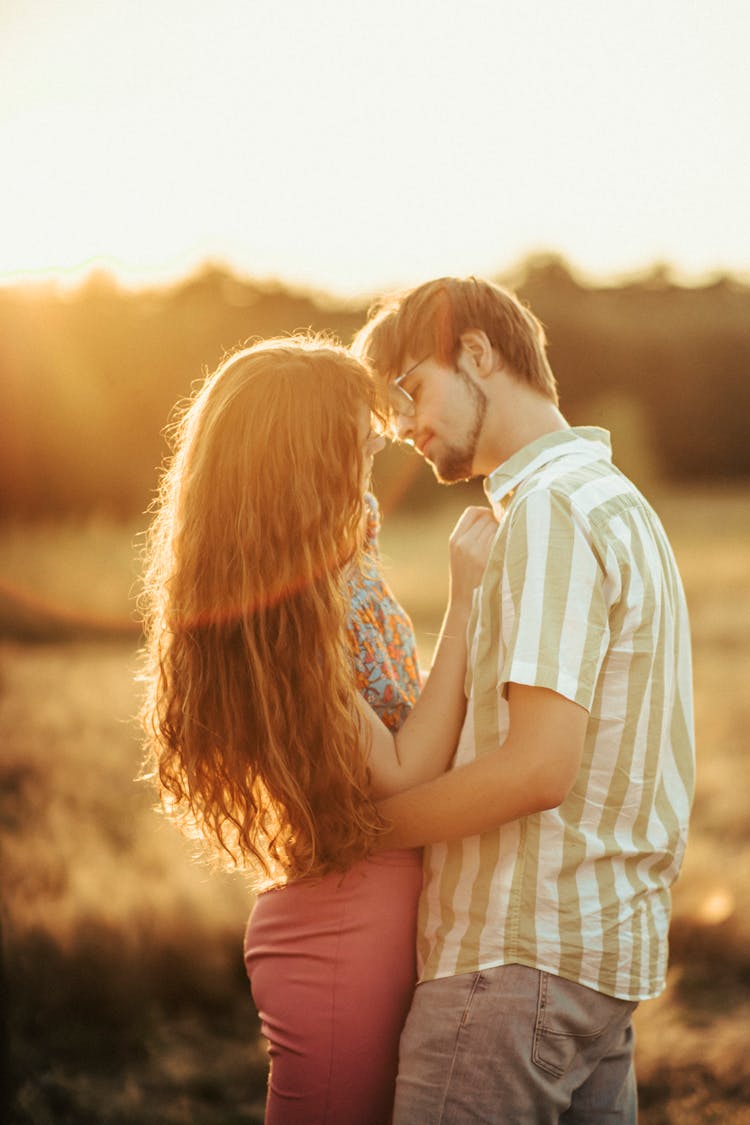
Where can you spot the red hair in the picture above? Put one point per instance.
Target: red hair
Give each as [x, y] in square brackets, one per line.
[251, 716]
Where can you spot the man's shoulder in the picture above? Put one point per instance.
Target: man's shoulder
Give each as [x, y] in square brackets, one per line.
[594, 492]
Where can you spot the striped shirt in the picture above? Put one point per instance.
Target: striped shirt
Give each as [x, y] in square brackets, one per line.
[582, 596]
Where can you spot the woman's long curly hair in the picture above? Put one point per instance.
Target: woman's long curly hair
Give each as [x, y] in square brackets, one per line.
[251, 717]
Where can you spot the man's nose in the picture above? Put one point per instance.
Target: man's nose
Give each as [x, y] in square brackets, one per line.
[405, 427]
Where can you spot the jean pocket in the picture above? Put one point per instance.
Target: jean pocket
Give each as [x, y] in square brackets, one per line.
[570, 1018]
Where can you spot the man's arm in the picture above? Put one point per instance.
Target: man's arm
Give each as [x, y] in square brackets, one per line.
[534, 769]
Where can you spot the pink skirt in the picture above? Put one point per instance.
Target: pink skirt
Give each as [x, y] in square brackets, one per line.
[332, 967]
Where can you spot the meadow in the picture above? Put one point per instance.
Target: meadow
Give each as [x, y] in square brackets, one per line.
[124, 989]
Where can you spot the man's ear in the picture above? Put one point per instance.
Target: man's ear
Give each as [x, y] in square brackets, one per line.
[477, 349]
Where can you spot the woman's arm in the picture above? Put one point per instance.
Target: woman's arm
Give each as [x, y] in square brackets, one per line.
[425, 744]
[533, 770]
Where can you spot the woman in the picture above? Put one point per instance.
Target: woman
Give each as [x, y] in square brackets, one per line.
[280, 674]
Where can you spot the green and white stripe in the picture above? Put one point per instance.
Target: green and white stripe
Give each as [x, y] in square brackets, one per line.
[582, 596]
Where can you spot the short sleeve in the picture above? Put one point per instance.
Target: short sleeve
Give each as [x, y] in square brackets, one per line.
[554, 614]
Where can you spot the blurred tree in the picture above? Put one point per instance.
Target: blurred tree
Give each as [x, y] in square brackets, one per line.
[89, 377]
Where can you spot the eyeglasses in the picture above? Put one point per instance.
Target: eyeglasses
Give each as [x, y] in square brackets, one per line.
[400, 400]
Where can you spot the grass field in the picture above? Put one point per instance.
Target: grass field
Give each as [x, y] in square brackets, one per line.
[125, 993]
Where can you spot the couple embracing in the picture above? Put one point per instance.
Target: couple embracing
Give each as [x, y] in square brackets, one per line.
[545, 765]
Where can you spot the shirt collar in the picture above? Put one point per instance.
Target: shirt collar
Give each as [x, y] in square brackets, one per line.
[591, 441]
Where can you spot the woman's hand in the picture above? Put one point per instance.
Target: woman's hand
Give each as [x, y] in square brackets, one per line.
[424, 746]
[470, 544]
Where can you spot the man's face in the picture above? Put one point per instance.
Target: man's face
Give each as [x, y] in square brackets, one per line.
[445, 422]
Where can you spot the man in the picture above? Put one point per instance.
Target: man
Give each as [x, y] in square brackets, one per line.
[559, 830]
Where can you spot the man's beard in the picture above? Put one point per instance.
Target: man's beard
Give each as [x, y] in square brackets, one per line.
[457, 461]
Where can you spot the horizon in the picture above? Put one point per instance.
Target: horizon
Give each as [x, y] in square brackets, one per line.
[77, 278]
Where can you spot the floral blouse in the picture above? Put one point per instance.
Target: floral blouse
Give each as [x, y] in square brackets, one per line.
[381, 635]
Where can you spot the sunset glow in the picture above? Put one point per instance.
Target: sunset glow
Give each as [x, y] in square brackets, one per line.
[354, 146]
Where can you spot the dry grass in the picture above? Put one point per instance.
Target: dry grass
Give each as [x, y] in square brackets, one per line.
[124, 957]
[127, 998]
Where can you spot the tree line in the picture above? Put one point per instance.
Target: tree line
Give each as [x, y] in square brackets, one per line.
[89, 376]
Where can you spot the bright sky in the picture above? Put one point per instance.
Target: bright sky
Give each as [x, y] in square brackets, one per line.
[354, 146]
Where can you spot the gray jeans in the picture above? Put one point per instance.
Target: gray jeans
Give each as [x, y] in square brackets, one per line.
[513, 1045]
